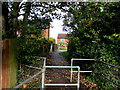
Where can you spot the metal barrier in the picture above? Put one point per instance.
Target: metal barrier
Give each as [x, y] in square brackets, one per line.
[111, 75]
[29, 79]
[71, 67]
[77, 71]
[61, 84]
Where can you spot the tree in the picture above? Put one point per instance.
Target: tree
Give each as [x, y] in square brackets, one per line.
[13, 11]
[5, 24]
[95, 34]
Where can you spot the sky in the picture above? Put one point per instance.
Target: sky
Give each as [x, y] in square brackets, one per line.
[56, 28]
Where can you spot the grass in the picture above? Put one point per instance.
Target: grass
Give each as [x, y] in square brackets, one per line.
[63, 48]
[64, 54]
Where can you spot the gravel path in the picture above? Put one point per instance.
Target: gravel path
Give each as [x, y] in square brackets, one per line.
[58, 75]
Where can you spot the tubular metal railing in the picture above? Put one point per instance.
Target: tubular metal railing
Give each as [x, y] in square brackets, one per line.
[32, 77]
[109, 72]
[106, 72]
[62, 84]
[43, 69]
[59, 84]
[77, 59]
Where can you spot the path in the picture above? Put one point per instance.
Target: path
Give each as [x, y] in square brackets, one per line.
[58, 75]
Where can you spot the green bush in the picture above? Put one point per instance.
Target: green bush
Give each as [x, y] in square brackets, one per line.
[30, 47]
[63, 48]
[61, 44]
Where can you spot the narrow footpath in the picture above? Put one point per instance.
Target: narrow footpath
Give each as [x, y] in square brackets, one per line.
[58, 75]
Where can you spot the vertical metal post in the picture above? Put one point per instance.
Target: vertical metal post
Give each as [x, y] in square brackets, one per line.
[78, 78]
[44, 62]
[43, 78]
[51, 46]
[71, 70]
[43, 74]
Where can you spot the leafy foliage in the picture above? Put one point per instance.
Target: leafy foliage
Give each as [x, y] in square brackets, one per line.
[62, 44]
[94, 35]
[52, 40]
[31, 42]
[30, 47]
[94, 30]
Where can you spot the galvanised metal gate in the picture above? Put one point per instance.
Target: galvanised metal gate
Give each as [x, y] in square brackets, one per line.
[71, 67]
[43, 70]
[61, 84]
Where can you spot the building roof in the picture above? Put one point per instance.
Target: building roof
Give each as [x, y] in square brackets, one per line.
[62, 36]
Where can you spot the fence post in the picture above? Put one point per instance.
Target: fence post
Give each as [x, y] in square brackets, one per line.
[78, 78]
[71, 70]
[43, 78]
[43, 74]
[51, 47]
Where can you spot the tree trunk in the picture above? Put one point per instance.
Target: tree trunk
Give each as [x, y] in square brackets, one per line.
[15, 14]
[5, 25]
[25, 19]
[27, 12]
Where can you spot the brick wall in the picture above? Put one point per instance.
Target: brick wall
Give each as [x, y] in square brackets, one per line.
[45, 33]
[65, 40]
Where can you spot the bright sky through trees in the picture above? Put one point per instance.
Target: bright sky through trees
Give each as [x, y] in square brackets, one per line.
[56, 25]
[56, 28]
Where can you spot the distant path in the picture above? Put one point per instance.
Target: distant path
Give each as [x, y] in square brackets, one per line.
[57, 60]
[58, 75]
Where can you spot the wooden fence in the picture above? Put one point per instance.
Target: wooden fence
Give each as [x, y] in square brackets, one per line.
[0, 64]
[9, 63]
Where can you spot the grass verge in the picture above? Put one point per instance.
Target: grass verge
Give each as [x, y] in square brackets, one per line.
[64, 54]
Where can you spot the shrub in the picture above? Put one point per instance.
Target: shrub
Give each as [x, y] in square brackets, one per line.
[63, 48]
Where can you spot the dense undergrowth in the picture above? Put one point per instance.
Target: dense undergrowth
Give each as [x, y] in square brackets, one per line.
[30, 49]
[26, 72]
[96, 35]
